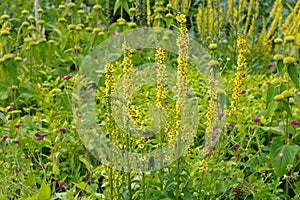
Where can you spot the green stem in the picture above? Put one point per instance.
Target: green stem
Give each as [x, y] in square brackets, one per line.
[143, 186]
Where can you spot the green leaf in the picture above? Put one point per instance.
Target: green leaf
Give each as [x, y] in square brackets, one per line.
[271, 93]
[271, 108]
[286, 107]
[117, 6]
[276, 130]
[3, 93]
[293, 73]
[44, 192]
[125, 5]
[83, 186]
[64, 101]
[280, 67]
[282, 155]
[87, 164]
[26, 90]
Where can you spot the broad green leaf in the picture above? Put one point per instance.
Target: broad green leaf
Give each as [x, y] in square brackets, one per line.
[125, 5]
[271, 108]
[282, 155]
[26, 90]
[117, 6]
[44, 192]
[276, 130]
[83, 186]
[64, 101]
[280, 67]
[293, 73]
[271, 93]
[3, 93]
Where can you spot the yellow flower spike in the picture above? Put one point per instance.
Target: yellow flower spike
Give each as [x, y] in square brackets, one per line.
[181, 18]
[289, 38]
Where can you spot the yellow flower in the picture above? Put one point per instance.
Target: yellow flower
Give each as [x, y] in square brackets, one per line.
[289, 60]
[181, 18]
[290, 38]
[213, 46]
[278, 41]
[278, 57]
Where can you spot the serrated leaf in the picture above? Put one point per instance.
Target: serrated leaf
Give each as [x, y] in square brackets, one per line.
[293, 73]
[271, 108]
[282, 155]
[44, 191]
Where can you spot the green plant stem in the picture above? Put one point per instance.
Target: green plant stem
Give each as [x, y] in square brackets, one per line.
[143, 186]
[111, 183]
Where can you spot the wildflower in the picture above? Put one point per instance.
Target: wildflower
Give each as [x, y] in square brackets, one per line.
[278, 97]
[238, 154]
[62, 184]
[243, 92]
[289, 167]
[26, 156]
[10, 109]
[221, 115]
[40, 138]
[62, 129]
[211, 148]
[41, 167]
[4, 138]
[278, 57]
[270, 65]
[18, 170]
[259, 85]
[62, 76]
[287, 93]
[17, 125]
[278, 41]
[68, 77]
[213, 46]
[188, 94]
[256, 120]
[289, 38]
[232, 126]
[294, 123]
[138, 48]
[243, 75]
[235, 146]
[268, 83]
[236, 191]
[289, 60]
[16, 141]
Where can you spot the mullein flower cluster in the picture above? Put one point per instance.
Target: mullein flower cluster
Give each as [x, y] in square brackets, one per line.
[109, 90]
[253, 20]
[241, 62]
[203, 166]
[182, 44]
[276, 9]
[248, 14]
[161, 73]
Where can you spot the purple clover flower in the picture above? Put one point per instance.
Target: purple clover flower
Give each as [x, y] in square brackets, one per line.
[41, 167]
[221, 115]
[235, 146]
[16, 141]
[236, 191]
[211, 148]
[10, 109]
[270, 65]
[188, 94]
[4, 138]
[40, 138]
[243, 92]
[238, 154]
[17, 125]
[213, 137]
[62, 184]
[295, 123]
[68, 77]
[18, 170]
[256, 120]
[259, 85]
[62, 129]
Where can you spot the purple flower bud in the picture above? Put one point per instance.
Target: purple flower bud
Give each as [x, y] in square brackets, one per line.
[62, 184]
[238, 154]
[40, 138]
[18, 170]
[232, 126]
[256, 120]
[62, 129]
[62, 76]
[243, 92]
[10, 109]
[156, 67]
[211, 148]
[68, 77]
[4, 138]
[25, 59]
[235, 146]
[37, 135]
[116, 33]
[221, 115]
[16, 141]
[270, 65]
[236, 191]
[243, 75]
[294, 123]
[17, 125]
[268, 83]
[138, 48]
[41, 167]
[188, 94]
[259, 85]
[213, 137]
